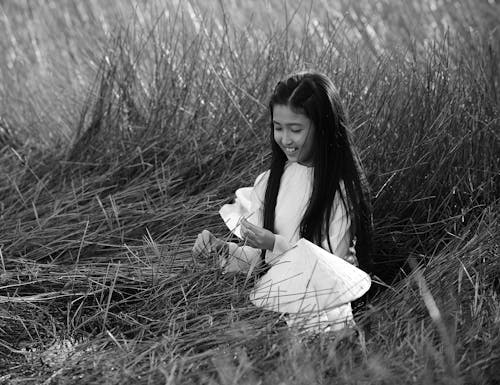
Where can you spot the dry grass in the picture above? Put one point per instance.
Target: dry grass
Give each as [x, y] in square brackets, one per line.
[124, 128]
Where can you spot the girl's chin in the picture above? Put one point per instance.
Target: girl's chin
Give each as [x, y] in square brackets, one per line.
[299, 161]
[295, 158]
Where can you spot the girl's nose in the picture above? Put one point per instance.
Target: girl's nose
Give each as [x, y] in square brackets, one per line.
[286, 139]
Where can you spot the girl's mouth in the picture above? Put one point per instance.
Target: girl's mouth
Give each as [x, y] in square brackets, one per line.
[290, 150]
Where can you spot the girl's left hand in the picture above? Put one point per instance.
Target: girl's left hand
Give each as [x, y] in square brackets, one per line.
[206, 243]
[256, 237]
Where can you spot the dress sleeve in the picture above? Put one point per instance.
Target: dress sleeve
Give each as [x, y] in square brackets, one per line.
[249, 203]
[340, 234]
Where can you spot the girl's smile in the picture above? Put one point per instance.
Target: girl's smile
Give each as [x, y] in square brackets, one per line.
[293, 132]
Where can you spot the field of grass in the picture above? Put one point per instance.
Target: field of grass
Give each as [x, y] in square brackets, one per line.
[125, 125]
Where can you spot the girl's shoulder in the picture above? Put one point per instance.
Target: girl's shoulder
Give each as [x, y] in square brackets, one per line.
[292, 172]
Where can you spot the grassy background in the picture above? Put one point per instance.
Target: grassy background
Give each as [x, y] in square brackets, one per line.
[125, 125]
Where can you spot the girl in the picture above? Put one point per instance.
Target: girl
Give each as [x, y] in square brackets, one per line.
[315, 189]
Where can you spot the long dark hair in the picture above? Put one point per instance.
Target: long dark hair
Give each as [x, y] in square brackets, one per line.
[334, 160]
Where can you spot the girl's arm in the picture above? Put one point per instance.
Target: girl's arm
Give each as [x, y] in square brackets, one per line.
[255, 238]
[232, 257]
[240, 258]
[340, 235]
[243, 258]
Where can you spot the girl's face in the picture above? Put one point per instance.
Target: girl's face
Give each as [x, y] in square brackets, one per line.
[293, 132]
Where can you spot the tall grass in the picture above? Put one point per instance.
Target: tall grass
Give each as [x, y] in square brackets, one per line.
[126, 125]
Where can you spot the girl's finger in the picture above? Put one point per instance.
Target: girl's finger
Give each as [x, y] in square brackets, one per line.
[250, 237]
[251, 241]
[222, 262]
[248, 241]
[248, 225]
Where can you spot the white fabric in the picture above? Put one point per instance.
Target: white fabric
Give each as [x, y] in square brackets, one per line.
[334, 319]
[242, 207]
[293, 198]
[307, 278]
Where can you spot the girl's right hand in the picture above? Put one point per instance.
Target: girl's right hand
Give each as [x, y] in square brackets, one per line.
[205, 243]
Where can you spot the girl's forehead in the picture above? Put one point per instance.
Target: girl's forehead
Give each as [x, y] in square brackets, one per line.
[284, 114]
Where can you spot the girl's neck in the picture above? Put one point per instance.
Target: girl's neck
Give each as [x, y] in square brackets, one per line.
[306, 164]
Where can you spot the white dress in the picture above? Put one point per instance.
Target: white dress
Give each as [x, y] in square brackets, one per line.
[293, 198]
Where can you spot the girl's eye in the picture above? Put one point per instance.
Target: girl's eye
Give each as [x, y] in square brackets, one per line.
[277, 128]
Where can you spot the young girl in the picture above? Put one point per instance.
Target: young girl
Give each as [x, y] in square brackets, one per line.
[314, 190]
